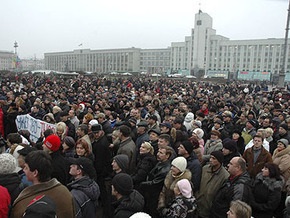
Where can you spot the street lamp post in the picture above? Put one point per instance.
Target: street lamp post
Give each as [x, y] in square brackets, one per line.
[282, 71]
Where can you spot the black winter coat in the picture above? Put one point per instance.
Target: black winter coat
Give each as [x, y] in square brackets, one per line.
[85, 192]
[145, 165]
[60, 168]
[128, 205]
[195, 168]
[266, 196]
[237, 188]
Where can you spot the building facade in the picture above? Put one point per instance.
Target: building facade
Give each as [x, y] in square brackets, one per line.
[202, 53]
[7, 60]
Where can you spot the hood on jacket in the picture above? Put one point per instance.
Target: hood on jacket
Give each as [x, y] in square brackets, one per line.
[189, 117]
[88, 186]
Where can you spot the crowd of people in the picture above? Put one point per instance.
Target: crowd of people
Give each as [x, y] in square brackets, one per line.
[138, 147]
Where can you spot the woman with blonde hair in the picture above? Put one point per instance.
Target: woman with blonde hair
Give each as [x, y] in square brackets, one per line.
[61, 130]
[146, 162]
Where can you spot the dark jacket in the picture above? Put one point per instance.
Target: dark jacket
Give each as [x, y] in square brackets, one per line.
[102, 155]
[195, 168]
[128, 205]
[85, 192]
[145, 165]
[266, 196]
[13, 184]
[152, 187]
[60, 168]
[237, 188]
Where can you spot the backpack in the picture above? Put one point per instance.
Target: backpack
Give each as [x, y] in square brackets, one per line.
[41, 207]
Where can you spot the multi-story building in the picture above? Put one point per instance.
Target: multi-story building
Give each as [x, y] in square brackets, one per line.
[103, 61]
[32, 64]
[204, 52]
[7, 60]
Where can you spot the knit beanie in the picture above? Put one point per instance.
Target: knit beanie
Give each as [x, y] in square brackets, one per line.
[199, 132]
[123, 161]
[284, 126]
[52, 142]
[69, 141]
[123, 183]
[284, 142]
[230, 145]
[185, 188]
[180, 163]
[218, 155]
[188, 146]
[7, 163]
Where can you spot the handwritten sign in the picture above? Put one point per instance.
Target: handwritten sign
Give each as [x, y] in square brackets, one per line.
[34, 126]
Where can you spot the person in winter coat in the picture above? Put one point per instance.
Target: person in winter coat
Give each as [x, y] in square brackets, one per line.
[129, 201]
[230, 150]
[8, 176]
[266, 191]
[38, 169]
[236, 187]
[193, 165]
[212, 144]
[281, 157]
[60, 165]
[152, 187]
[212, 179]
[184, 204]
[178, 171]
[256, 156]
[145, 164]
[84, 189]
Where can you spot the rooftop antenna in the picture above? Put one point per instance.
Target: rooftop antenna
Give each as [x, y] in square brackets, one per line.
[199, 5]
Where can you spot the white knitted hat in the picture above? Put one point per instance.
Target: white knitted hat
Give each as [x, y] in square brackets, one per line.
[180, 163]
[7, 163]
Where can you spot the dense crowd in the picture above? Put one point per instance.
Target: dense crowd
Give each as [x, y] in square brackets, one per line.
[141, 147]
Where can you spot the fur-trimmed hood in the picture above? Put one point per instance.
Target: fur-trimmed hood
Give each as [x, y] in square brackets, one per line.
[281, 153]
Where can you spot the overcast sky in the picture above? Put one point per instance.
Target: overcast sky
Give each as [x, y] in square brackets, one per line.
[41, 26]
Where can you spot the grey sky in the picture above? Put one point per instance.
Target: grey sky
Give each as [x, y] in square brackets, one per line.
[41, 26]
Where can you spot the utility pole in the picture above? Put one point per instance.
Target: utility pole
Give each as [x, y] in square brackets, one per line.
[282, 70]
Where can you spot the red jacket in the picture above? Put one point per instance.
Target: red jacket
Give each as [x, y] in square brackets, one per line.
[4, 202]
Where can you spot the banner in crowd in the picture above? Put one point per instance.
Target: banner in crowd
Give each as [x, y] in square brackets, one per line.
[34, 126]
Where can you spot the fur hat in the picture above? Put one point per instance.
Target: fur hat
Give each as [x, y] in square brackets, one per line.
[180, 163]
[188, 146]
[185, 188]
[199, 132]
[216, 132]
[52, 142]
[218, 155]
[123, 161]
[123, 183]
[7, 163]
